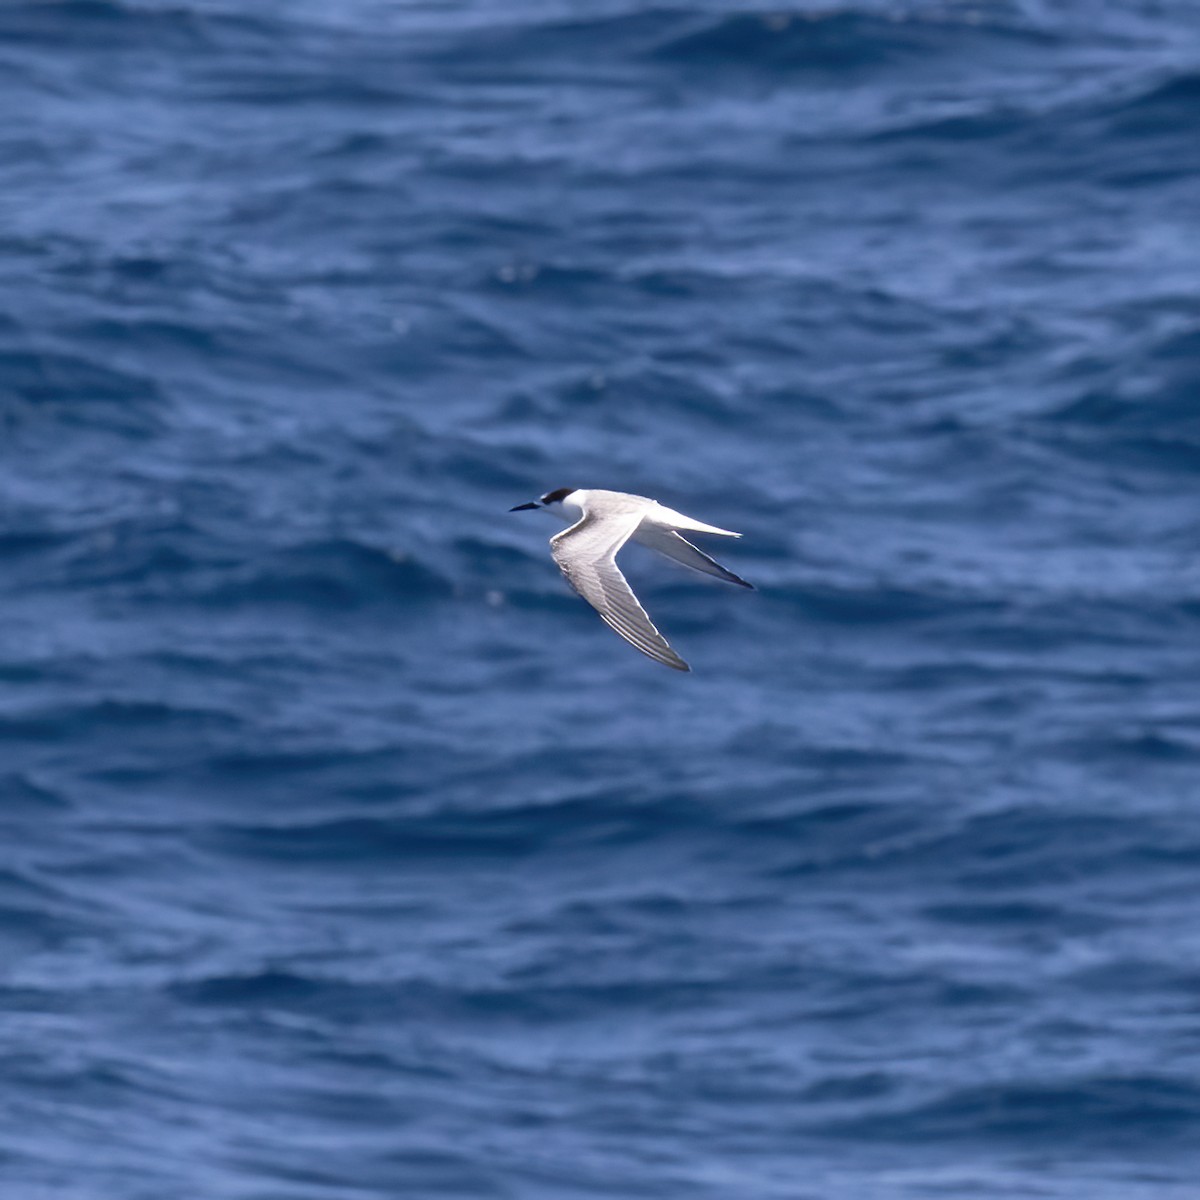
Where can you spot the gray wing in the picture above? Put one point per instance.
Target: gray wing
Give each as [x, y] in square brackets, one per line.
[667, 542]
[586, 554]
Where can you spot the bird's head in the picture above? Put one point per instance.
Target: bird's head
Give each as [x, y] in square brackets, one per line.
[552, 501]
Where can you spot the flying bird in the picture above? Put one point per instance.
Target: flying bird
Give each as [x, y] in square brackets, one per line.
[600, 524]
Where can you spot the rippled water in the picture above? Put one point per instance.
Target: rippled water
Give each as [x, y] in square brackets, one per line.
[346, 853]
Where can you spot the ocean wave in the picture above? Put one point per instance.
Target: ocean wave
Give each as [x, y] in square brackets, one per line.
[329, 574]
[25, 793]
[841, 39]
[1133, 1111]
[103, 718]
[120, 25]
[480, 831]
[71, 390]
[326, 798]
[1159, 107]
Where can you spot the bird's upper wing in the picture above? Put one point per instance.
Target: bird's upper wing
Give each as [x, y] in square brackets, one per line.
[672, 545]
[586, 554]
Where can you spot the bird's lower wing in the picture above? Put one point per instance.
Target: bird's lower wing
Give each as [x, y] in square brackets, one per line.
[586, 555]
[667, 542]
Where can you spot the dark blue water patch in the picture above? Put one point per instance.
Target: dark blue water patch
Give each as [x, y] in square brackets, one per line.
[1030, 857]
[488, 561]
[22, 794]
[1161, 108]
[603, 51]
[837, 44]
[151, 554]
[508, 834]
[311, 79]
[1143, 455]
[1026, 917]
[1161, 411]
[840, 1089]
[179, 561]
[1140, 976]
[402, 1000]
[278, 771]
[1056, 625]
[113, 26]
[1010, 843]
[332, 575]
[1136, 1113]
[1150, 746]
[1184, 851]
[19, 543]
[887, 605]
[103, 719]
[268, 989]
[187, 343]
[72, 391]
[36, 916]
[1120, 143]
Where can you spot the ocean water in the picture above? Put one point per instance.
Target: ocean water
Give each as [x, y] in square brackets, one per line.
[345, 854]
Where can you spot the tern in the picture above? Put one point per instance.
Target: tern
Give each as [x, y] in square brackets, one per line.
[600, 524]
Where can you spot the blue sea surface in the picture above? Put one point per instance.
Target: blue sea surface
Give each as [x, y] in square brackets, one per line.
[345, 854]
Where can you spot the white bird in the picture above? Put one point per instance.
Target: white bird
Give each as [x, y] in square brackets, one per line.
[586, 554]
